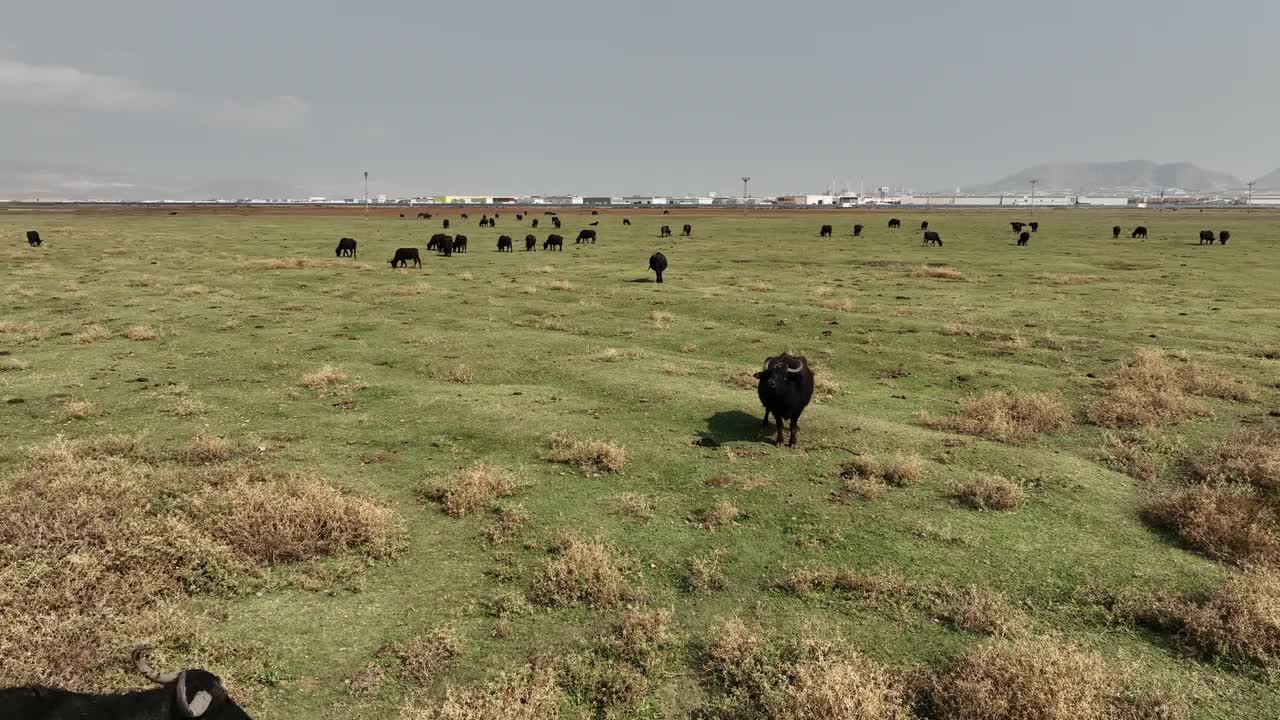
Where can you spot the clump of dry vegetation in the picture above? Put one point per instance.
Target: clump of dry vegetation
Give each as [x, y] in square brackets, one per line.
[414, 290]
[1249, 456]
[92, 334]
[838, 304]
[661, 319]
[720, 515]
[81, 409]
[205, 448]
[426, 656]
[1144, 454]
[868, 478]
[639, 636]
[188, 407]
[582, 571]
[1004, 416]
[632, 505]
[990, 492]
[141, 332]
[13, 364]
[1229, 523]
[591, 456]
[280, 264]
[705, 573]
[758, 286]
[872, 587]
[957, 329]
[941, 272]
[561, 285]
[508, 521]
[825, 387]
[532, 694]
[327, 379]
[1067, 279]
[1153, 389]
[20, 333]
[472, 489]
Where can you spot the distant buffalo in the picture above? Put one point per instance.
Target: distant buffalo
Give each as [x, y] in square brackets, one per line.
[534, 224]
[553, 241]
[1035, 227]
[556, 221]
[436, 240]
[1024, 237]
[594, 223]
[530, 243]
[586, 236]
[658, 263]
[1206, 236]
[594, 212]
[33, 238]
[346, 248]
[857, 231]
[626, 221]
[824, 231]
[460, 243]
[1224, 236]
[895, 223]
[1017, 226]
[664, 231]
[1115, 232]
[445, 224]
[931, 237]
[1139, 232]
[688, 229]
[924, 225]
[406, 255]
[504, 243]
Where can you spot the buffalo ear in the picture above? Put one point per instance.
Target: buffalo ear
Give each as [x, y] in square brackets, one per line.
[759, 376]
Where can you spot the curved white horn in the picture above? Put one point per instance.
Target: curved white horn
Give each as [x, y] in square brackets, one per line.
[196, 707]
[797, 368]
[140, 660]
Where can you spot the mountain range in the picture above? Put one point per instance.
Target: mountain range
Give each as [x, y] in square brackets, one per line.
[1124, 176]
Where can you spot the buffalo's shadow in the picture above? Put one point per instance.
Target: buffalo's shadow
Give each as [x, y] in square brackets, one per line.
[729, 426]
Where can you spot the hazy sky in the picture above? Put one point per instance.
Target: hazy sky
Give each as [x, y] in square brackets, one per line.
[232, 97]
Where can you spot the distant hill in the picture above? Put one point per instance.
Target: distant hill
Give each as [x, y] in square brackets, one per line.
[1128, 175]
[1270, 181]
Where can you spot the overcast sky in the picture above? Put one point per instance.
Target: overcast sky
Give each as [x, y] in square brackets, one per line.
[129, 97]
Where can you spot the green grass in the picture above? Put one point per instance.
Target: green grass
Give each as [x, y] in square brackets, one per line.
[482, 357]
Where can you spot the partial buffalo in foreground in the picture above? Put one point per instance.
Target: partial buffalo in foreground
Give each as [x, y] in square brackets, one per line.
[658, 263]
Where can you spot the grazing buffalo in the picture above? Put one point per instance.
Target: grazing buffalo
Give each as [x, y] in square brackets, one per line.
[346, 248]
[1017, 226]
[895, 223]
[1139, 232]
[924, 225]
[445, 224]
[404, 256]
[857, 231]
[626, 221]
[174, 213]
[1223, 237]
[658, 263]
[436, 240]
[1024, 237]
[460, 243]
[423, 216]
[519, 216]
[824, 231]
[1206, 236]
[586, 236]
[688, 230]
[504, 243]
[553, 241]
[1115, 232]
[464, 216]
[33, 238]
[534, 224]
[666, 212]
[931, 237]
[530, 243]
[594, 223]
[786, 386]
[664, 231]
[594, 212]
[556, 222]
[549, 212]
[1035, 226]
[185, 695]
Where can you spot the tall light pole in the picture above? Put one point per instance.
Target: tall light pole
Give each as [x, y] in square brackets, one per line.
[1248, 205]
[1033, 196]
[745, 180]
[366, 194]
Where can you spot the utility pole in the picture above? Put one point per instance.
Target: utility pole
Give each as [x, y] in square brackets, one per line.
[1248, 207]
[366, 194]
[745, 180]
[1033, 196]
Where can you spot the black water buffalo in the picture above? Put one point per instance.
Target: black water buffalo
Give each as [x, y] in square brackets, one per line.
[445, 246]
[1139, 232]
[785, 388]
[924, 225]
[931, 237]
[445, 224]
[437, 239]
[530, 243]
[1017, 226]
[460, 243]
[504, 243]
[1024, 237]
[404, 256]
[534, 224]
[664, 231]
[626, 221]
[174, 213]
[895, 223]
[857, 231]
[688, 230]
[519, 216]
[824, 231]
[346, 248]
[465, 217]
[666, 212]
[594, 223]
[33, 238]
[553, 241]
[484, 221]
[1115, 232]
[186, 695]
[658, 263]
[1224, 236]
[593, 212]
[1206, 236]
[586, 236]
[556, 222]
[549, 212]
[1035, 226]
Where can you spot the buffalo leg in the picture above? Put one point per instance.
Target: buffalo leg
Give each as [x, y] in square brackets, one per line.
[792, 443]
[659, 276]
[778, 418]
[764, 425]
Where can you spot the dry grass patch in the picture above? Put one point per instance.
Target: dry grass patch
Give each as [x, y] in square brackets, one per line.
[188, 407]
[1247, 456]
[614, 355]
[414, 290]
[562, 285]
[976, 610]
[424, 658]
[281, 264]
[1232, 524]
[92, 334]
[1144, 454]
[141, 332]
[721, 515]
[1067, 279]
[81, 409]
[188, 291]
[957, 329]
[1004, 416]
[1009, 345]
[508, 521]
[327, 379]
[632, 505]
[1152, 389]
[582, 572]
[742, 379]
[824, 386]
[471, 490]
[13, 364]
[591, 456]
[460, 375]
[204, 448]
[838, 304]
[528, 695]
[940, 272]
[990, 492]
[20, 333]
[869, 478]
[870, 587]
[904, 469]
[705, 573]
[661, 319]
[639, 637]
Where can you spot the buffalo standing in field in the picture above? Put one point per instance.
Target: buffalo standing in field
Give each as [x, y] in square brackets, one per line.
[465, 216]
[664, 231]
[931, 237]
[504, 243]
[346, 248]
[519, 216]
[1206, 236]
[1223, 237]
[530, 243]
[406, 255]
[658, 263]
[595, 212]
[1024, 237]
[1035, 226]
[534, 224]
[824, 231]
[187, 695]
[666, 212]
[895, 223]
[688, 230]
[857, 231]
[549, 212]
[553, 241]
[1017, 226]
[785, 389]
[460, 244]
[33, 238]
[586, 236]
[437, 239]
[924, 225]
[595, 223]
[1139, 232]
[556, 222]
[626, 221]
[445, 224]
[1115, 232]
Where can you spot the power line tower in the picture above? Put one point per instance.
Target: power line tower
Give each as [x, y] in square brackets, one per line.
[745, 179]
[1033, 196]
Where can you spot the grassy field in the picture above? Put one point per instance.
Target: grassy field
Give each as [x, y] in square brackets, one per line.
[550, 466]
